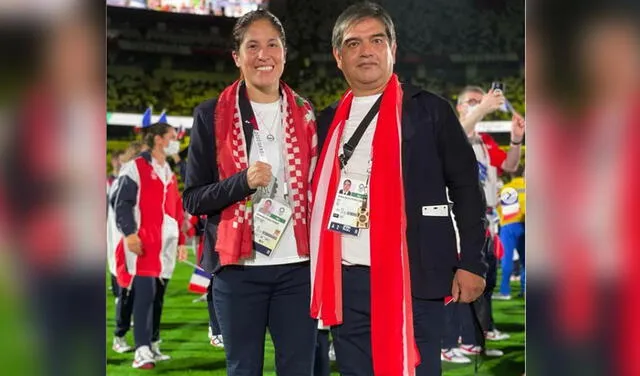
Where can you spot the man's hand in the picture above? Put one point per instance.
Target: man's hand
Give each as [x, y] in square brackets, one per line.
[259, 175]
[491, 102]
[134, 244]
[176, 158]
[517, 127]
[467, 287]
[182, 253]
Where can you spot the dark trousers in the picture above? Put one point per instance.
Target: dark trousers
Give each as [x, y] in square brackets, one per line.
[250, 299]
[459, 317]
[213, 318]
[322, 365]
[147, 308]
[352, 339]
[67, 334]
[458, 322]
[124, 310]
[491, 282]
[115, 289]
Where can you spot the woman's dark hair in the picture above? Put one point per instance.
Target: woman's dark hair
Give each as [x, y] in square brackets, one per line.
[243, 23]
[157, 129]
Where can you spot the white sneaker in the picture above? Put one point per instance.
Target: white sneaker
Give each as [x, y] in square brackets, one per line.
[158, 356]
[470, 349]
[496, 335]
[216, 341]
[332, 353]
[453, 356]
[120, 345]
[144, 358]
[501, 297]
[493, 352]
[476, 350]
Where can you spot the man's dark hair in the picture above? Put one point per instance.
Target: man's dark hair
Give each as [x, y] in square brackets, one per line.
[358, 12]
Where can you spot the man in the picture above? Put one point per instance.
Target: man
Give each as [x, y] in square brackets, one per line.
[473, 105]
[382, 291]
[346, 186]
[266, 207]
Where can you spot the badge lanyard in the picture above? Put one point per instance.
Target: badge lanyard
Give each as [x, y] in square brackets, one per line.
[347, 152]
[247, 115]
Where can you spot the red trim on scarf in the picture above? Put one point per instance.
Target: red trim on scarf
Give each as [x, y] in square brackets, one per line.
[391, 305]
[235, 233]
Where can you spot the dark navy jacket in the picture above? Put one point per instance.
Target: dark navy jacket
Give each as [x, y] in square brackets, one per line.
[436, 155]
[204, 193]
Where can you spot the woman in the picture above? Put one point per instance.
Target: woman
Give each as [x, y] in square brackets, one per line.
[257, 141]
[148, 211]
[124, 297]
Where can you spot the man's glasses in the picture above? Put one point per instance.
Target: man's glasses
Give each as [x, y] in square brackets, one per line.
[472, 102]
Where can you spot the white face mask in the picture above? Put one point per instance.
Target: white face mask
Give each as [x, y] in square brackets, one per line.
[471, 108]
[173, 148]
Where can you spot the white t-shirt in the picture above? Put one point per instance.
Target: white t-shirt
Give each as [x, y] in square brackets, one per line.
[269, 120]
[357, 250]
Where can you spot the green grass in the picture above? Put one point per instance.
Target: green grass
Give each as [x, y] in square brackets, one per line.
[184, 337]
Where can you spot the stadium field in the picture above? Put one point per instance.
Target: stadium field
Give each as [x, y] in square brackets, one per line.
[184, 337]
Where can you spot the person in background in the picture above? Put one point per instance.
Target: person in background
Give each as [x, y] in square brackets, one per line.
[116, 163]
[124, 297]
[148, 211]
[473, 105]
[512, 211]
[257, 140]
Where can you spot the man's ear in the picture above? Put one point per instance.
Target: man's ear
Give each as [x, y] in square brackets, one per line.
[338, 57]
[236, 58]
[394, 47]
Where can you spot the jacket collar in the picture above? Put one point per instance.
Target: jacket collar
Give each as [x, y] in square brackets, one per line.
[146, 155]
[409, 92]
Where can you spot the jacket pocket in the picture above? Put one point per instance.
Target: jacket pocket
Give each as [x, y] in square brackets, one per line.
[438, 242]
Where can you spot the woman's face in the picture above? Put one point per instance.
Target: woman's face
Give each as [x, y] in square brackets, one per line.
[261, 55]
[163, 141]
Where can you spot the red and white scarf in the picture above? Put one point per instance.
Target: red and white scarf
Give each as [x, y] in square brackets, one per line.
[235, 235]
[393, 345]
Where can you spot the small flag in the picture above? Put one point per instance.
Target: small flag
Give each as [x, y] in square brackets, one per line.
[146, 117]
[181, 132]
[146, 120]
[163, 117]
[199, 282]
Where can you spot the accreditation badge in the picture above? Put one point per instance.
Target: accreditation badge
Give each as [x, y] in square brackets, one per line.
[270, 218]
[350, 213]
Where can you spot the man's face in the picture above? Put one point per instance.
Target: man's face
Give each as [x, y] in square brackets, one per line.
[366, 56]
[468, 101]
[346, 186]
